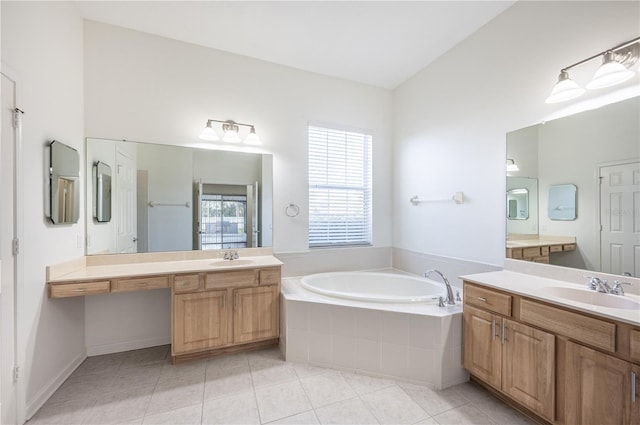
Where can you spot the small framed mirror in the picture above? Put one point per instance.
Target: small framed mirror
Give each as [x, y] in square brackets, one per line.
[64, 184]
[518, 204]
[562, 202]
[102, 191]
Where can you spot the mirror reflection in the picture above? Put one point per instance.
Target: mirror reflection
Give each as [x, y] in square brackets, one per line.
[175, 198]
[64, 184]
[594, 153]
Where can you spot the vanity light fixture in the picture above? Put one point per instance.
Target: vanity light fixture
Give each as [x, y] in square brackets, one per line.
[231, 131]
[615, 69]
[511, 165]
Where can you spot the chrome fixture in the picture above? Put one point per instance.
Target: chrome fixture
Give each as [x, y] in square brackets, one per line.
[511, 165]
[231, 255]
[597, 284]
[449, 300]
[616, 68]
[231, 131]
[617, 288]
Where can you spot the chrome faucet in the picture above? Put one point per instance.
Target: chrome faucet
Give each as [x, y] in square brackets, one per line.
[600, 285]
[231, 255]
[449, 300]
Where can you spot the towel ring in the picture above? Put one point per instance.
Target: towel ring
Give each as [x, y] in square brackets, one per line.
[292, 210]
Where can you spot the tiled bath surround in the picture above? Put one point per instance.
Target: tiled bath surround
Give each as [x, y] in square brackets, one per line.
[410, 346]
[414, 346]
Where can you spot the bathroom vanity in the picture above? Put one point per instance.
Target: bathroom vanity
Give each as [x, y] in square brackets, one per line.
[557, 350]
[217, 306]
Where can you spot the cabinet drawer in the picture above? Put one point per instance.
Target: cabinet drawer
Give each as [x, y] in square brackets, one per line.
[79, 289]
[544, 250]
[140, 283]
[269, 276]
[569, 247]
[230, 278]
[515, 253]
[186, 283]
[634, 342]
[487, 299]
[531, 252]
[555, 248]
[578, 327]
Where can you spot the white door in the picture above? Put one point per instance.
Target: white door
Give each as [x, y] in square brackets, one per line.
[125, 192]
[620, 219]
[8, 278]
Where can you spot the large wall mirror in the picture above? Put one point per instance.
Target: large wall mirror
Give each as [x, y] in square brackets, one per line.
[176, 198]
[597, 154]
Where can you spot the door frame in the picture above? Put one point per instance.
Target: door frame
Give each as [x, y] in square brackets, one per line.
[599, 167]
[18, 263]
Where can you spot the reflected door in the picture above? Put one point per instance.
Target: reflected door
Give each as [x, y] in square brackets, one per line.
[620, 219]
[125, 194]
[223, 221]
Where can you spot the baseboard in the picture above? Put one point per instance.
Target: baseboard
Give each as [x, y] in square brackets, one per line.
[47, 391]
[117, 347]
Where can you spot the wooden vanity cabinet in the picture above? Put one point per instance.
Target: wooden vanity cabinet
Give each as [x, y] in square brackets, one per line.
[224, 311]
[599, 388]
[202, 321]
[513, 358]
[565, 366]
[255, 313]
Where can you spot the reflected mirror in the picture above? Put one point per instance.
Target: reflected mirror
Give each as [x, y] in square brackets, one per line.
[598, 152]
[102, 191]
[518, 204]
[64, 184]
[562, 202]
[176, 198]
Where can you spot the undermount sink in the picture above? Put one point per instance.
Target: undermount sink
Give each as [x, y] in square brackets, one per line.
[229, 263]
[587, 296]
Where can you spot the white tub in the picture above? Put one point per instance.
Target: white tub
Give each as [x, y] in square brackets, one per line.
[381, 324]
[375, 287]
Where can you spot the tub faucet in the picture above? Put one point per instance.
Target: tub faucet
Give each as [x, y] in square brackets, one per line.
[449, 300]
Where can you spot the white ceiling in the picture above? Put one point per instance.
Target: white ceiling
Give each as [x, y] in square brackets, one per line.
[381, 43]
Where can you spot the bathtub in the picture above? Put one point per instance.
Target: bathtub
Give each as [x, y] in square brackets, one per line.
[383, 324]
[375, 287]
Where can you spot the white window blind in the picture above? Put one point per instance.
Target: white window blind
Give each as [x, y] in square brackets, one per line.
[339, 187]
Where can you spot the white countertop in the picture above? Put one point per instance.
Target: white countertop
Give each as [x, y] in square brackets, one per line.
[165, 267]
[536, 287]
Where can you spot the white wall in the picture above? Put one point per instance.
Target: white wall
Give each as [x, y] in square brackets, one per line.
[170, 181]
[450, 120]
[152, 89]
[42, 42]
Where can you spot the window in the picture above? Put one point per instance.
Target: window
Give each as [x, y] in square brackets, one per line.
[339, 187]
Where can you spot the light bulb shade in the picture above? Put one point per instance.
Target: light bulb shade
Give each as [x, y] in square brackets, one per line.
[252, 138]
[209, 133]
[564, 89]
[231, 136]
[610, 73]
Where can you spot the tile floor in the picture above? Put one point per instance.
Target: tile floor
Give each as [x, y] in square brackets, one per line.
[142, 387]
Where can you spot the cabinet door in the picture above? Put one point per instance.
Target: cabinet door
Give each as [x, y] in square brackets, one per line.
[199, 321]
[482, 349]
[635, 395]
[598, 388]
[255, 313]
[528, 371]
